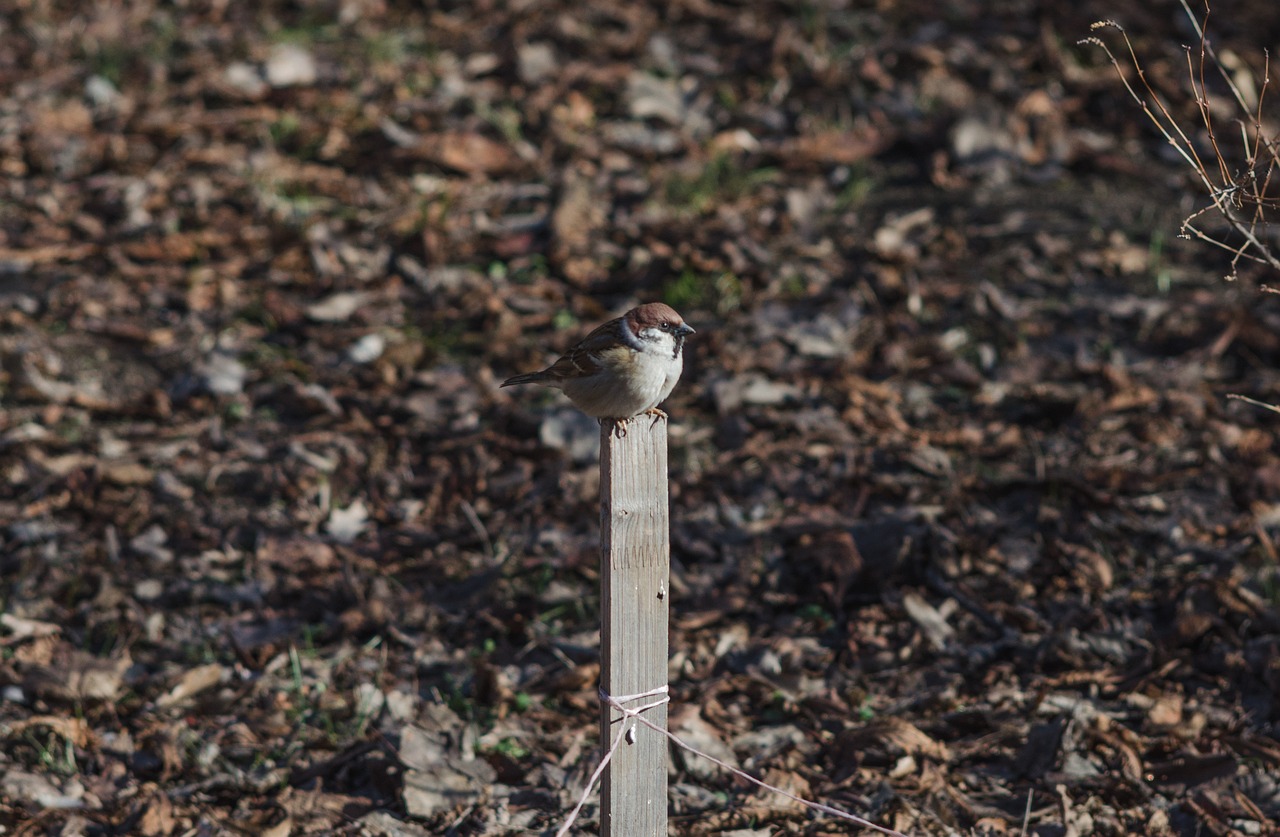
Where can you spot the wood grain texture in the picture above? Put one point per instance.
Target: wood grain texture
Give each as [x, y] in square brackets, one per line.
[635, 571]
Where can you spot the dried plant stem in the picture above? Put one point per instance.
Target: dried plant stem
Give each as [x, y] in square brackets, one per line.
[1241, 198]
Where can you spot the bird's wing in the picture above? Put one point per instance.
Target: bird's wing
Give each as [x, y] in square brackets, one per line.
[579, 362]
[584, 358]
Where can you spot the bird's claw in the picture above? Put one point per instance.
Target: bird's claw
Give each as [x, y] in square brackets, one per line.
[619, 428]
[657, 415]
[620, 424]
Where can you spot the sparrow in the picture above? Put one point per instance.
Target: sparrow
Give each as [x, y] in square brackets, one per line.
[625, 367]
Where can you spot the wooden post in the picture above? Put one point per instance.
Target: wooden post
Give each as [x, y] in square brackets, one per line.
[635, 569]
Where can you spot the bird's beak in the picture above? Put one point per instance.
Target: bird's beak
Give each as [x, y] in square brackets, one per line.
[684, 329]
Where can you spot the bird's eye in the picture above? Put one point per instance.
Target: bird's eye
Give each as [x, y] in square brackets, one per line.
[666, 326]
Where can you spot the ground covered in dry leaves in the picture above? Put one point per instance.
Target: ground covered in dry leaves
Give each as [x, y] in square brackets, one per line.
[967, 536]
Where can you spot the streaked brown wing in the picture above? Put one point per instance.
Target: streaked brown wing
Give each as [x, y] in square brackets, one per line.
[603, 337]
[581, 360]
[578, 362]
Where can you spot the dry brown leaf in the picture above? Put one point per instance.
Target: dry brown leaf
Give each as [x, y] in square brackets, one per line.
[897, 736]
[1166, 712]
[577, 218]
[193, 682]
[75, 730]
[127, 473]
[21, 628]
[281, 829]
[468, 152]
[835, 147]
[75, 676]
[931, 621]
[157, 818]
[1093, 570]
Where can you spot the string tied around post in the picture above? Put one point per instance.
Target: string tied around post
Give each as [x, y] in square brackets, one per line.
[632, 715]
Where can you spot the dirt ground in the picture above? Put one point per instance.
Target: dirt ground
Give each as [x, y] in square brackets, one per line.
[967, 536]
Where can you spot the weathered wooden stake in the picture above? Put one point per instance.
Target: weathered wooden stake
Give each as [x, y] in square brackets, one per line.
[635, 568]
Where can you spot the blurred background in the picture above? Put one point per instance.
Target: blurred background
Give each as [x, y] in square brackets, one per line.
[968, 537]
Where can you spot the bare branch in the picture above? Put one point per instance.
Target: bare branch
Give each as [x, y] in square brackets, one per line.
[1240, 195]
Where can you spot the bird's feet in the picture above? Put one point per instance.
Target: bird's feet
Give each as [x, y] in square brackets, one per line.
[657, 415]
[619, 429]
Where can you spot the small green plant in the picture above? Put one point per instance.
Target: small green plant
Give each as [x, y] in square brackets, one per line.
[564, 320]
[727, 97]
[255, 313]
[542, 578]
[720, 293]
[814, 612]
[164, 37]
[462, 705]
[1271, 588]
[55, 753]
[360, 724]
[794, 287]
[865, 711]
[1159, 266]
[505, 119]
[529, 270]
[511, 748]
[445, 339]
[310, 631]
[723, 180]
[198, 654]
[386, 46]
[314, 28]
[572, 611]
[284, 129]
[110, 62]
[856, 188]
[71, 428]
[296, 200]
[299, 707]
[434, 211]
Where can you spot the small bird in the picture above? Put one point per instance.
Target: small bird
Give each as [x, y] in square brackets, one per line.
[625, 367]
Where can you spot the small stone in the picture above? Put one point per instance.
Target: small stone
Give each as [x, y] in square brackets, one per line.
[101, 92]
[336, 308]
[245, 78]
[535, 63]
[290, 66]
[345, 525]
[148, 590]
[223, 374]
[367, 349]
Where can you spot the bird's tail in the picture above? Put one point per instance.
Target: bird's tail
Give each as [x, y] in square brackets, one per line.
[530, 378]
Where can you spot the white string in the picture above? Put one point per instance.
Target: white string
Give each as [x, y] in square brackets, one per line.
[613, 748]
[634, 713]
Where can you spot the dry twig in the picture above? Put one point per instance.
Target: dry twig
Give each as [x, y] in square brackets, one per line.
[1241, 195]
